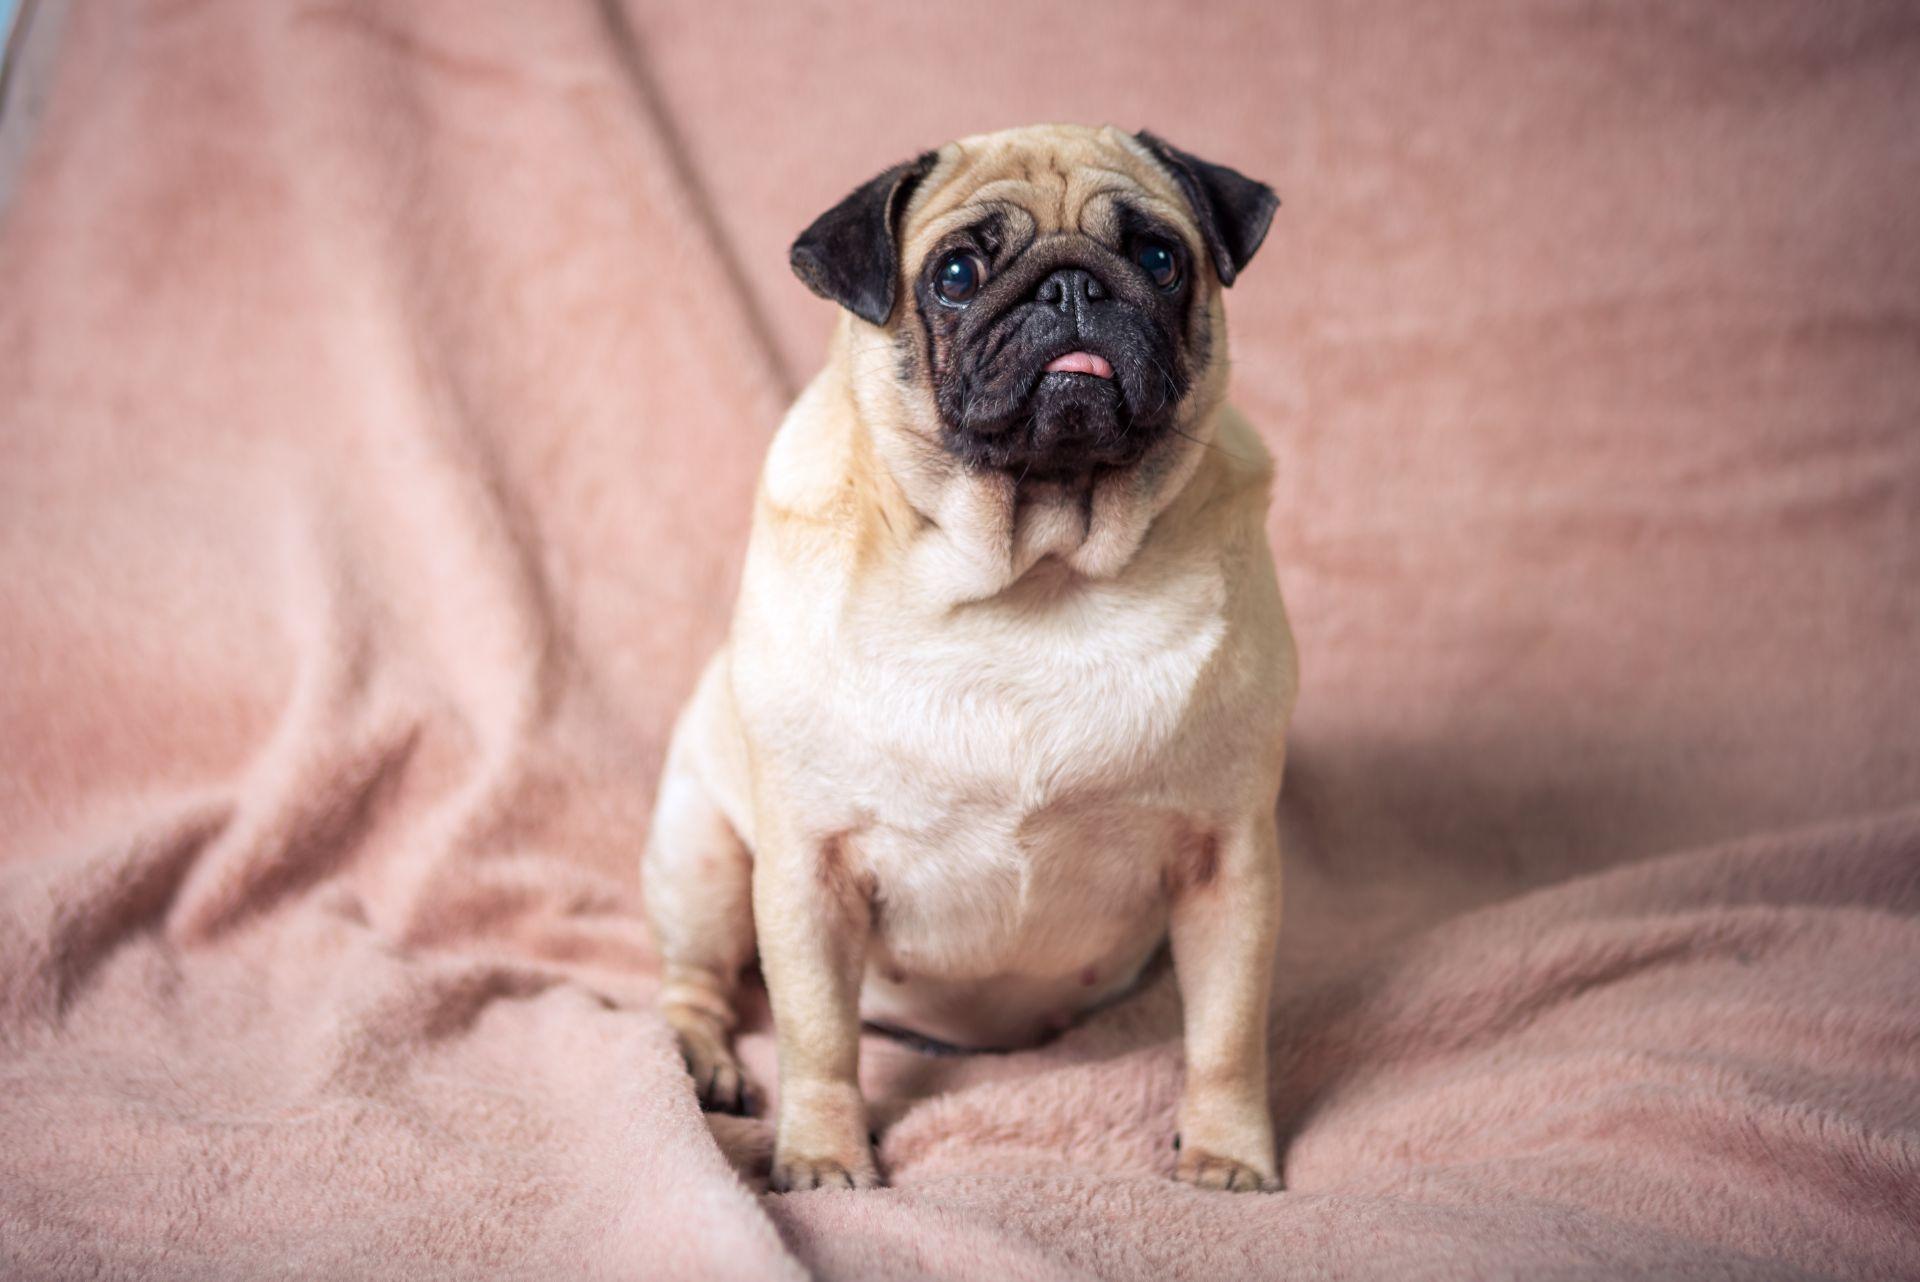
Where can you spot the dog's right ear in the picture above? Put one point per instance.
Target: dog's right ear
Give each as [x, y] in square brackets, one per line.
[1234, 210]
[851, 253]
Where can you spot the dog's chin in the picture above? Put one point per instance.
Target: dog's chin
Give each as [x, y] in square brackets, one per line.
[1070, 426]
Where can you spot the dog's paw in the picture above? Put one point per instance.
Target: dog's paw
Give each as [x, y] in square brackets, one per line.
[798, 1174]
[722, 1087]
[1209, 1171]
[718, 1078]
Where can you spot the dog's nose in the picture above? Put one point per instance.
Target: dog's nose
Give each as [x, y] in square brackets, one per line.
[1069, 289]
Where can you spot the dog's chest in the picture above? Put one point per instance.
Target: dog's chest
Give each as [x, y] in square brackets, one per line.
[1008, 769]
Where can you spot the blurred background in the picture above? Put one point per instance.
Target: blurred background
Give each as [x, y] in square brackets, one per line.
[13, 120]
[1585, 342]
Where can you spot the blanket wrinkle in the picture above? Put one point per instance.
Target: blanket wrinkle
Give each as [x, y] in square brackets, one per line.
[630, 51]
[65, 916]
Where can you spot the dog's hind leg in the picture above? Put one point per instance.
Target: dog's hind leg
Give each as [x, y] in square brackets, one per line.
[697, 878]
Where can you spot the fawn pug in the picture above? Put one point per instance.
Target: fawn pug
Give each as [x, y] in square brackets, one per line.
[1003, 703]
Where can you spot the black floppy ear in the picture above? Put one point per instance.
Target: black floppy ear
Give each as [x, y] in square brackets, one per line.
[1234, 210]
[849, 254]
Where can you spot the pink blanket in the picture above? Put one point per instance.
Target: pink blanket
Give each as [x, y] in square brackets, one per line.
[381, 390]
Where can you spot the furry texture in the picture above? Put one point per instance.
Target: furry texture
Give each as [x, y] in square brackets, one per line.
[378, 422]
[982, 802]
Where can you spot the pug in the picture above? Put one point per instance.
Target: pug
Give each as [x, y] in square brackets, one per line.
[1003, 703]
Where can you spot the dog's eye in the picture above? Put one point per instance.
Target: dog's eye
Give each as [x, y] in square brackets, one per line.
[1158, 262]
[958, 278]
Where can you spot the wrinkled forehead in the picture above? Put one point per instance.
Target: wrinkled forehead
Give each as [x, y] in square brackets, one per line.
[1038, 185]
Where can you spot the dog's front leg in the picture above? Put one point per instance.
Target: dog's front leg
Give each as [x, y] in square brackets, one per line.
[1225, 917]
[814, 915]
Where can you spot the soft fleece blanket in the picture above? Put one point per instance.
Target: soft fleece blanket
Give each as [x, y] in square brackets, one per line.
[381, 390]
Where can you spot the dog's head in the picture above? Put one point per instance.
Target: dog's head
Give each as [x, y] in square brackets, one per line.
[1049, 295]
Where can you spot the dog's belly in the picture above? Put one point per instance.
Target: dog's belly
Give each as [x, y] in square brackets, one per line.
[995, 927]
[1014, 782]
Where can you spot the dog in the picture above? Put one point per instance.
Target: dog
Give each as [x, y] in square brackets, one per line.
[1003, 703]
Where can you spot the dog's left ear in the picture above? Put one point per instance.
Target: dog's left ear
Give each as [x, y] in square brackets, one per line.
[851, 253]
[1234, 210]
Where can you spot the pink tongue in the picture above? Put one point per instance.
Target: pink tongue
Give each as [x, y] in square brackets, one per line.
[1080, 363]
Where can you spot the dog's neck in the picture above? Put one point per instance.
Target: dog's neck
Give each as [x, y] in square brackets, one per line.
[970, 535]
